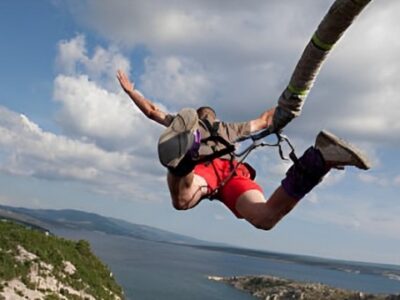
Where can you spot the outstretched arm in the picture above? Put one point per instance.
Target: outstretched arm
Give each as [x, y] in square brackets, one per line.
[145, 105]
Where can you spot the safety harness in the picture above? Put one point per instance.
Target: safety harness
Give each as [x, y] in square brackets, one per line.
[216, 138]
[230, 149]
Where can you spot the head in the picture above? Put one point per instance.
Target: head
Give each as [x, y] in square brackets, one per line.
[206, 112]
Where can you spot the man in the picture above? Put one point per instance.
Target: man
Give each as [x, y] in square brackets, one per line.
[193, 135]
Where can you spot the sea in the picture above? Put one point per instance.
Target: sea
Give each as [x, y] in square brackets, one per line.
[150, 270]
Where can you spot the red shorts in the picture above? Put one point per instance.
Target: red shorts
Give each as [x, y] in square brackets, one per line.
[217, 171]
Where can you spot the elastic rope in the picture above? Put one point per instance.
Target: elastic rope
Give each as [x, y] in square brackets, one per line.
[320, 44]
[297, 91]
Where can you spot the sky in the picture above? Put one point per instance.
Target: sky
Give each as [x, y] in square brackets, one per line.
[70, 137]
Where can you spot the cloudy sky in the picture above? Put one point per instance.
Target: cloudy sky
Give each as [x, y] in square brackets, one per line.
[70, 138]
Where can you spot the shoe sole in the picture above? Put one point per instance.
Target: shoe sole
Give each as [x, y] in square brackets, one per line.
[362, 160]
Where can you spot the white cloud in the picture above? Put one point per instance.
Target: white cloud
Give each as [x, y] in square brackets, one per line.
[225, 51]
[313, 197]
[333, 177]
[73, 60]
[70, 53]
[27, 150]
[242, 56]
[356, 90]
[89, 110]
[112, 142]
[177, 81]
[107, 145]
[89, 107]
[186, 25]
[382, 181]
[358, 214]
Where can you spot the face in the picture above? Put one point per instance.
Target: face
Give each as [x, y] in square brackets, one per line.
[206, 113]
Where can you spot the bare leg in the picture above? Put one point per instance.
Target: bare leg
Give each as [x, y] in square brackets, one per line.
[263, 214]
[186, 192]
[301, 178]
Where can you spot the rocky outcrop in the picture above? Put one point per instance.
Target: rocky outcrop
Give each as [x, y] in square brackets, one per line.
[274, 288]
[36, 265]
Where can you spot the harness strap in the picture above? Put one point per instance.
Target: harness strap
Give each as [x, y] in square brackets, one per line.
[213, 129]
[229, 149]
[215, 137]
[216, 154]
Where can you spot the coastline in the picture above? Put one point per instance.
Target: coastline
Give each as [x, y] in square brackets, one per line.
[275, 288]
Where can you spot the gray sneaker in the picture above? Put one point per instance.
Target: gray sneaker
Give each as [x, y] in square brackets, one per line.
[338, 153]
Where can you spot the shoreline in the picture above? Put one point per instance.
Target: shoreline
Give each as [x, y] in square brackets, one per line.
[275, 288]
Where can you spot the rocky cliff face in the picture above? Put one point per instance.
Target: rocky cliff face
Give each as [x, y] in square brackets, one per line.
[273, 288]
[37, 265]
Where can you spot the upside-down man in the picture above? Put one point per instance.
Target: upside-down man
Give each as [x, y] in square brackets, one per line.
[186, 140]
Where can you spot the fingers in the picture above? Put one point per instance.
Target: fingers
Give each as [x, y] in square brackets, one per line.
[121, 75]
[271, 113]
[124, 81]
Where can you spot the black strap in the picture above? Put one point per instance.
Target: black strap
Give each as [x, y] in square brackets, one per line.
[215, 137]
[213, 129]
[216, 154]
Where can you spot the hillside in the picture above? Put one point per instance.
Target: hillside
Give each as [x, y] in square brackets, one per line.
[79, 220]
[37, 265]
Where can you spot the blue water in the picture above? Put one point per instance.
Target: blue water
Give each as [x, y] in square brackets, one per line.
[153, 270]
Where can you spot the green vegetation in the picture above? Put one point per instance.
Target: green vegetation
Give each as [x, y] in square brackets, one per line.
[91, 275]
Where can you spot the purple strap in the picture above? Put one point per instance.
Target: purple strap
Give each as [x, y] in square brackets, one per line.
[194, 151]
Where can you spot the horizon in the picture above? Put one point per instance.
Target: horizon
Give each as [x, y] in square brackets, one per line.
[210, 244]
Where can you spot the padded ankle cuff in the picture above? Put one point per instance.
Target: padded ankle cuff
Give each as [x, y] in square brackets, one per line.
[303, 176]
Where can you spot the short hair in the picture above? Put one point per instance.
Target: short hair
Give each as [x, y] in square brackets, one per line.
[204, 111]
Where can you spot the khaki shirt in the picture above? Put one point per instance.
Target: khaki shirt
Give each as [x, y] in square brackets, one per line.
[229, 131]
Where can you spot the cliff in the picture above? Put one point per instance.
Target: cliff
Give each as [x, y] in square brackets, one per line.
[273, 288]
[37, 265]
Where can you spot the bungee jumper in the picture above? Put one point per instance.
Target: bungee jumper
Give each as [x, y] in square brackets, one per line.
[199, 150]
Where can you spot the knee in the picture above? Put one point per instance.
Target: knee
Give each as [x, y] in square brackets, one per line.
[264, 223]
[180, 203]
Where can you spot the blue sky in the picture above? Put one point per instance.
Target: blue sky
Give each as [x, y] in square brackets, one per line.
[70, 138]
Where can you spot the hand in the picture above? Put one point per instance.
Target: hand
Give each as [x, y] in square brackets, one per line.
[264, 121]
[268, 117]
[125, 83]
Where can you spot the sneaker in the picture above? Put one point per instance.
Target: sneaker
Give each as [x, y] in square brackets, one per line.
[338, 153]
